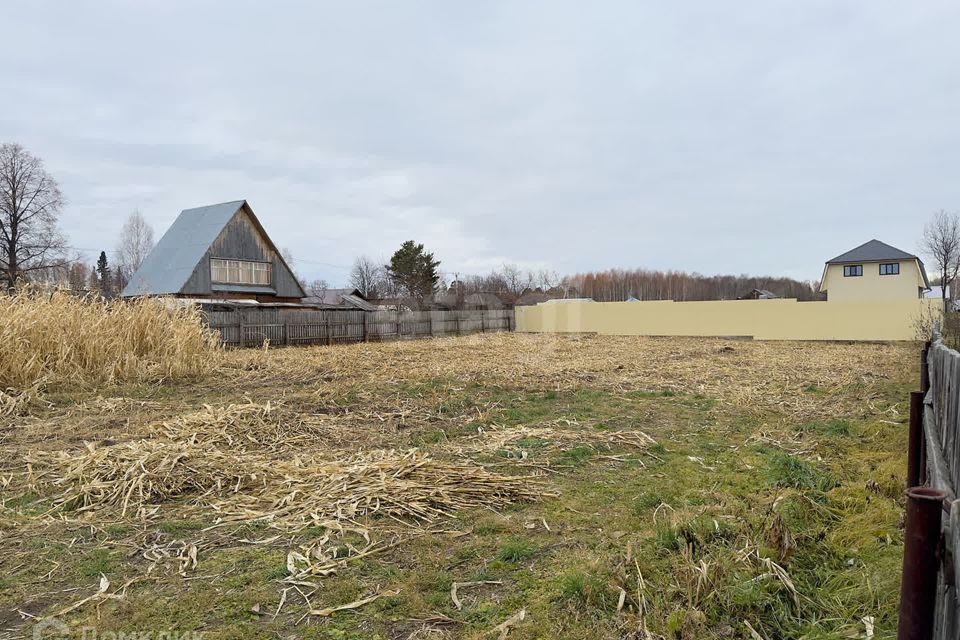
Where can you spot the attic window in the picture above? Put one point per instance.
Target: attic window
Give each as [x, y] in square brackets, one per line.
[891, 269]
[851, 270]
[239, 271]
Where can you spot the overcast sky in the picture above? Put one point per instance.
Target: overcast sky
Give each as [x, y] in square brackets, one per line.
[737, 137]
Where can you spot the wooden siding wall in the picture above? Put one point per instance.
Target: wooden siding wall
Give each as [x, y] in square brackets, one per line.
[941, 426]
[243, 328]
[240, 240]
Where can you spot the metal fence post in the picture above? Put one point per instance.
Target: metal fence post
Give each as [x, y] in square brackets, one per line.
[924, 369]
[921, 550]
[915, 442]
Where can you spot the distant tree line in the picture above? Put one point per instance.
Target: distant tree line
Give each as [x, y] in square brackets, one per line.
[645, 284]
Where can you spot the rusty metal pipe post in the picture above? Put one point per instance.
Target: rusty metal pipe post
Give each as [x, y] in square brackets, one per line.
[915, 443]
[921, 545]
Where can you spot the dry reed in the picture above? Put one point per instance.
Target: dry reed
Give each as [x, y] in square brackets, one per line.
[60, 338]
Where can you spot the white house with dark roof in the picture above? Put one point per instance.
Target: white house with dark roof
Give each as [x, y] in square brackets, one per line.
[218, 252]
[874, 271]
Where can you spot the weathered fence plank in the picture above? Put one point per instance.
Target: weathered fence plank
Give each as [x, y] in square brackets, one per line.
[941, 460]
[251, 327]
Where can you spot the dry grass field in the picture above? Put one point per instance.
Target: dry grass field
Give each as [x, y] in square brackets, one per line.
[488, 486]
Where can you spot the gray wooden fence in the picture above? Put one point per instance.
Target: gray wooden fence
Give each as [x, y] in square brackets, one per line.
[283, 326]
[941, 427]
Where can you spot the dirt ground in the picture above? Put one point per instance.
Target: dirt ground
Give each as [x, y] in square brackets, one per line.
[488, 486]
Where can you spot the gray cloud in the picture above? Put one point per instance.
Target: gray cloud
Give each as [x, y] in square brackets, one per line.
[761, 137]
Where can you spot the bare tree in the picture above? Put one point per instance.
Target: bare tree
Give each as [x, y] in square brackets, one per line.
[367, 276]
[514, 279]
[546, 279]
[287, 256]
[941, 243]
[317, 288]
[136, 242]
[30, 204]
[77, 275]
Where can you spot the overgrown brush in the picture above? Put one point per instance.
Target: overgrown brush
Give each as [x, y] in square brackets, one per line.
[56, 338]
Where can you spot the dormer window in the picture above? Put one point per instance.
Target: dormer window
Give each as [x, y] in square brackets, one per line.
[239, 271]
[852, 270]
[891, 269]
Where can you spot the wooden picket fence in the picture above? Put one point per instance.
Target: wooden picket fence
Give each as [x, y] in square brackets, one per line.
[284, 326]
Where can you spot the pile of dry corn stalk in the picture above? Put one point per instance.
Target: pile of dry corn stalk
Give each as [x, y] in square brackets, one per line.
[288, 493]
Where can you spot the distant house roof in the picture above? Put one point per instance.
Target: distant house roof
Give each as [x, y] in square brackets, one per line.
[876, 251]
[759, 294]
[340, 298]
[532, 297]
[442, 300]
[168, 267]
[483, 300]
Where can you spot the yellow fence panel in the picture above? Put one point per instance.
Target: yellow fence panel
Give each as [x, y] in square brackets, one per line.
[782, 319]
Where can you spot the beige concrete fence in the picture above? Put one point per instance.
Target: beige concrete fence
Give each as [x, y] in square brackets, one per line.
[783, 319]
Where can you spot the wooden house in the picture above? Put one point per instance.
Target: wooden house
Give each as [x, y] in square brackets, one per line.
[217, 252]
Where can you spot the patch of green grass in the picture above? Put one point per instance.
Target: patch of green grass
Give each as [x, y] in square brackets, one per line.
[574, 456]
[179, 527]
[826, 427]
[488, 526]
[432, 437]
[585, 590]
[643, 395]
[516, 549]
[96, 562]
[646, 502]
[666, 536]
[531, 443]
[116, 530]
[787, 470]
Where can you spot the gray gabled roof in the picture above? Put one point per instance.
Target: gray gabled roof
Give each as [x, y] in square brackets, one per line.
[872, 251]
[168, 267]
[340, 298]
[876, 251]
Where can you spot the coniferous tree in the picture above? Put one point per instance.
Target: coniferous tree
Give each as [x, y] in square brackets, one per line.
[413, 270]
[103, 274]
